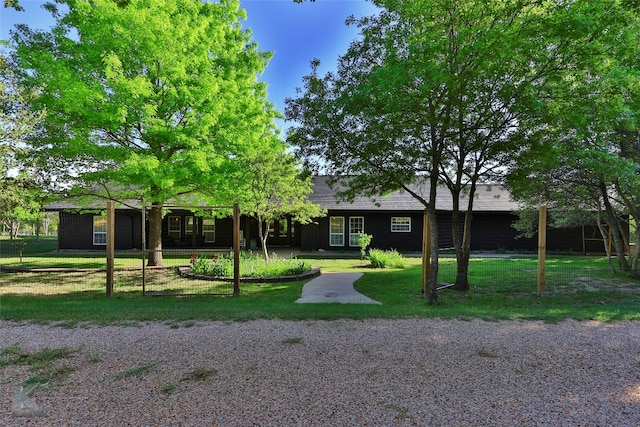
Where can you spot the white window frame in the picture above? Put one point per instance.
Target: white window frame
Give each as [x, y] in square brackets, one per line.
[355, 228]
[333, 233]
[174, 227]
[99, 230]
[209, 229]
[401, 224]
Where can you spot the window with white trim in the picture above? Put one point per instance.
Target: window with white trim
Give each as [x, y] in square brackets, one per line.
[401, 224]
[336, 231]
[356, 226]
[99, 230]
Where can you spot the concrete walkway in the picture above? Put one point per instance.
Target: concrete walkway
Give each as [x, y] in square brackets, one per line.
[333, 287]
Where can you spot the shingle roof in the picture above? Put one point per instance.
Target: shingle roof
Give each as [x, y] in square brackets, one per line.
[488, 198]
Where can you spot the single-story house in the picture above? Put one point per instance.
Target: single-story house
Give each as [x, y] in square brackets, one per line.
[395, 222]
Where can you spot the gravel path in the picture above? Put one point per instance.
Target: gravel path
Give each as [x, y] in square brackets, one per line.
[414, 372]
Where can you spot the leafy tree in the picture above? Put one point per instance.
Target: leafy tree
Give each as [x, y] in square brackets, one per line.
[584, 155]
[21, 193]
[277, 188]
[147, 99]
[436, 92]
[17, 120]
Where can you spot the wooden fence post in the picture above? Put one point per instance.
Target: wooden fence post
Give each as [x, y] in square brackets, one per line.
[542, 247]
[111, 221]
[143, 243]
[236, 249]
[426, 253]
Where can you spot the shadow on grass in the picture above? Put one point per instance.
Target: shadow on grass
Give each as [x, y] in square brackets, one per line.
[499, 290]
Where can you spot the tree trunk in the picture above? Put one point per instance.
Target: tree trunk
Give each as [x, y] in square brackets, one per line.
[462, 242]
[463, 255]
[15, 227]
[433, 271]
[605, 240]
[46, 221]
[616, 234]
[155, 236]
[263, 234]
[455, 229]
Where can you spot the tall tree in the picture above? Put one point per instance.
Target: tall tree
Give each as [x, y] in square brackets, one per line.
[277, 188]
[434, 93]
[584, 154]
[21, 190]
[17, 120]
[148, 98]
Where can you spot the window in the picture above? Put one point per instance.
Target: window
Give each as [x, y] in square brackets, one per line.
[280, 228]
[356, 226]
[188, 225]
[209, 229]
[284, 228]
[174, 227]
[99, 230]
[336, 231]
[401, 224]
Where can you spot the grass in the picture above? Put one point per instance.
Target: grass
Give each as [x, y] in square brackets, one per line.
[29, 244]
[501, 288]
[199, 374]
[42, 364]
[136, 372]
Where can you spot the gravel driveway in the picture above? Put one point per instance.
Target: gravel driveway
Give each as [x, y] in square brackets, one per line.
[412, 372]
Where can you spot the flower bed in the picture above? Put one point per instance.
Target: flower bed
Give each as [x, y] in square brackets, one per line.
[252, 268]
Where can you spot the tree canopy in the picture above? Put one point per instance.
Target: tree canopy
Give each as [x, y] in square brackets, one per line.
[148, 98]
[21, 187]
[444, 90]
[277, 188]
[585, 154]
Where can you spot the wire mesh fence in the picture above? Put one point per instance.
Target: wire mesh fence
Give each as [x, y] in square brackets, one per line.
[35, 266]
[79, 273]
[518, 274]
[179, 278]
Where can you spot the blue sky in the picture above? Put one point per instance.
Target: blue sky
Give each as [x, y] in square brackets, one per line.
[296, 33]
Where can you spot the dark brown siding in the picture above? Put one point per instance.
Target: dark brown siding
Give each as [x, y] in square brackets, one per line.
[75, 231]
[316, 236]
[493, 231]
[489, 231]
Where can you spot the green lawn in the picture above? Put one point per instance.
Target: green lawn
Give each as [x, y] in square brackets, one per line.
[502, 288]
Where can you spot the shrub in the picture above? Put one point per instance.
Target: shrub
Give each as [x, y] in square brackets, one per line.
[386, 259]
[364, 240]
[250, 266]
[213, 267]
